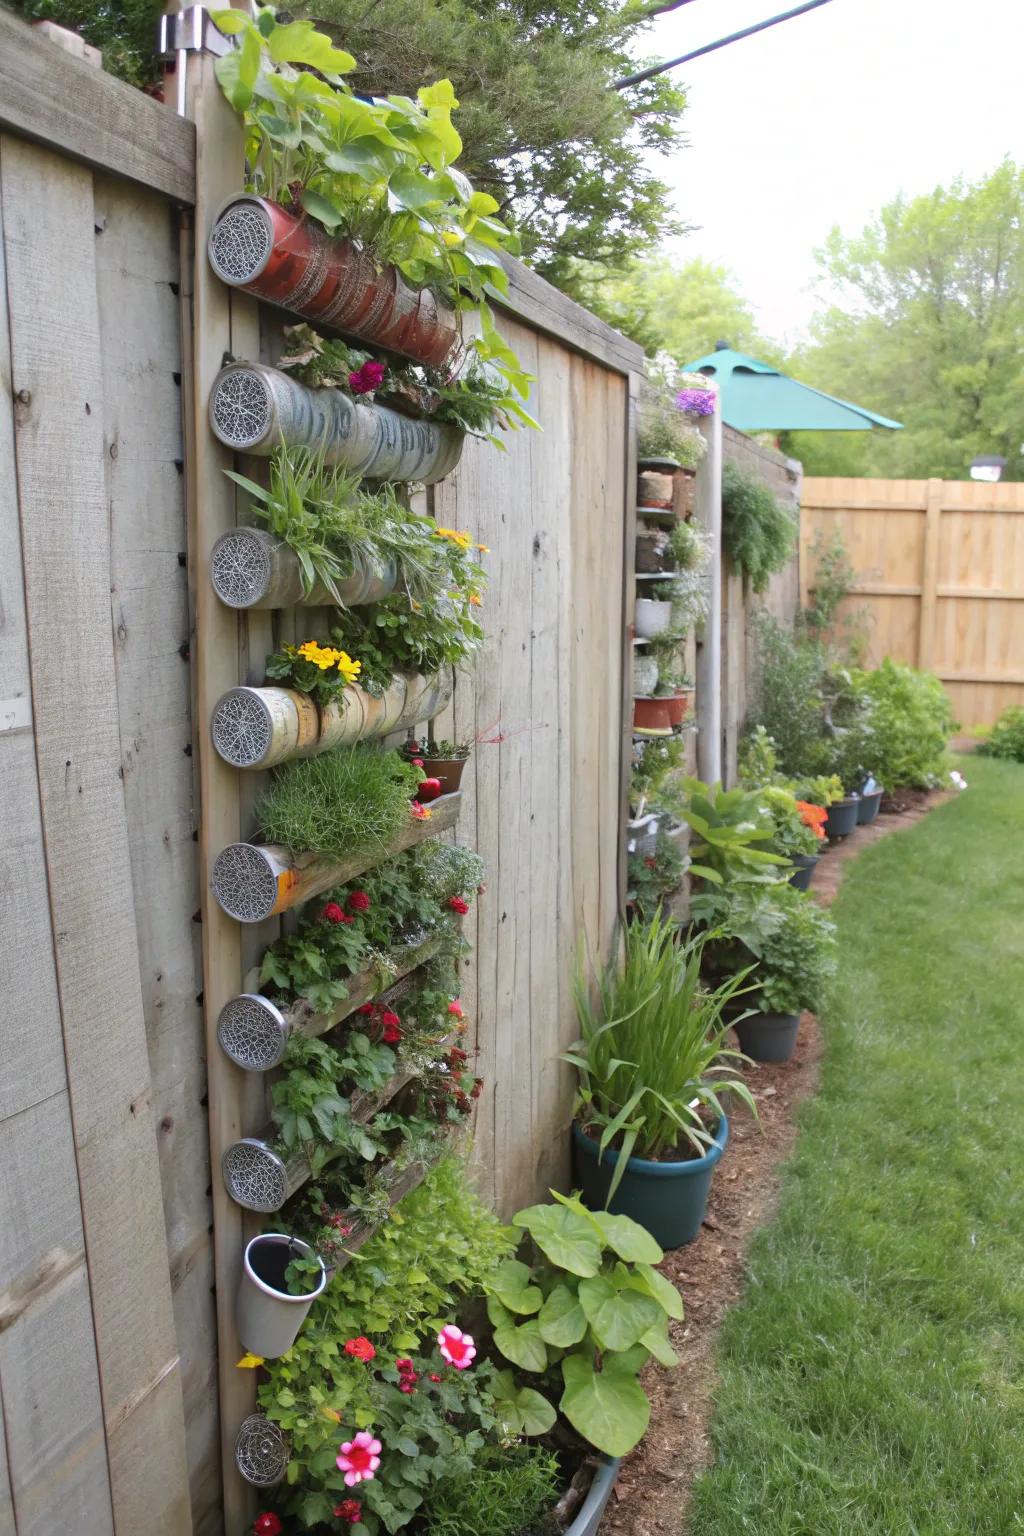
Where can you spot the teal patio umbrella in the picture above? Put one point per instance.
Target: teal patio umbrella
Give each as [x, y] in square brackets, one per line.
[758, 398]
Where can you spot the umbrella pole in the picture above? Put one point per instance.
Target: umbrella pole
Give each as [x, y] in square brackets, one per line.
[709, 649]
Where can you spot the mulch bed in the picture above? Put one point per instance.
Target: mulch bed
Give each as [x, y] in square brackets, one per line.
[653, 1490]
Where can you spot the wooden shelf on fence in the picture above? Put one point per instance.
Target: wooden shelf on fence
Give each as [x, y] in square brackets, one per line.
[260, 1179]
[404, 1183]
[253, 881]
[304, 1020]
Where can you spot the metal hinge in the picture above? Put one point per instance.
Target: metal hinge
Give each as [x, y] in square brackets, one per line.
[190, 31]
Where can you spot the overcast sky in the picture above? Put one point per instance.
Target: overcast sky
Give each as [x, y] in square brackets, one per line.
[823, 119]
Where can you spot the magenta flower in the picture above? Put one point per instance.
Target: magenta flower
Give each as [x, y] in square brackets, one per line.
[369, 377]
[456, 1347]
[360, 1458]
[696, 402]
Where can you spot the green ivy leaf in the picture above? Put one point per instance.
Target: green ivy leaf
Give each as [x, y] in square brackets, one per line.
[608, 1407]
[523, 1345]
[618, 1317]
[562, 1320]
[564, 1236]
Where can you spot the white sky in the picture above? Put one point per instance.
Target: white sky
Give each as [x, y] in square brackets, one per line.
[825, 118]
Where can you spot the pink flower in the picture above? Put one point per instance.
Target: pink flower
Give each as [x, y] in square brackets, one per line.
[435, 1377]
[367, 379]
[405, 1367]
[350, 1510]
[359, 1458]
[267, 1525]
[455, 1008]
[456, 1347]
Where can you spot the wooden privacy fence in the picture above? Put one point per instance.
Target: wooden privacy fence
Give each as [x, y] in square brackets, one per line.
[116, 1294]
[940, 573]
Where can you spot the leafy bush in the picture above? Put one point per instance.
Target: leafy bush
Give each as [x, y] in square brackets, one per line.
[507, 1491]
[792, 830]
[729, 825]
[1006, 738]
[758, 532]
[910, 720]
[790, 697]
[346, 802]
[796, 961]
[662, 429]
[654, 876]
[690, 546]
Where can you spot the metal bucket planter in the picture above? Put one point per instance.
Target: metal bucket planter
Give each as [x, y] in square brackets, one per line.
[662, 462]
[268, 1318]
[870, 803]
[804, 865]
[651, 617]
[842, 817]
[254, 409]
[291, 261]
[588, 1521]
[249, 568]
[669, 1199]
[642, 836]
[652, 552]
[654, 489]
[768, 1036]
[261, 727]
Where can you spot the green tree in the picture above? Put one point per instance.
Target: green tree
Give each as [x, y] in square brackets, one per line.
[542, 127]
[679, 308]
[930, 330]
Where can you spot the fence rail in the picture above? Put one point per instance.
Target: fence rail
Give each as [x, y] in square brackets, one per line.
[940, 573]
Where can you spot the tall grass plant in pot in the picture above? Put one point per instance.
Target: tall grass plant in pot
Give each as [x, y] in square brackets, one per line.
[653, 1068]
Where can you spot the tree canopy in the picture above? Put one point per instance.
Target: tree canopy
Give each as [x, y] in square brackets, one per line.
[928, 327]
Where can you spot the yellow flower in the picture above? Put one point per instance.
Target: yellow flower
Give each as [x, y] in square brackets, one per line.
[475, 599]
[249, 1362]
[348, 668]
[463, 540]
[484, 549]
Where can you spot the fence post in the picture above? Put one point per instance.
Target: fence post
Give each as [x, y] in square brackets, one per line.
[709, 652]
[930, 574]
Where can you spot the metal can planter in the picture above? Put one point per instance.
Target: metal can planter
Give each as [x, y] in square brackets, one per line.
[291, 261]
[255, 409]
[249, 568]
[261, 727]
[262, 1452]
[268, 1317]
[642, 835]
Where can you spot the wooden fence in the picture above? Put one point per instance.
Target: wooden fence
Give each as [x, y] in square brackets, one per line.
[112, 495]
[940, 574]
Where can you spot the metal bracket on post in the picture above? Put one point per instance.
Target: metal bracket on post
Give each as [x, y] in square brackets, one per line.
[191, 30]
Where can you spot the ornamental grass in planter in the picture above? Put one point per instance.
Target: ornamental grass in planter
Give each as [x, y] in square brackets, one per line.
[653, 1065]
[342, 803]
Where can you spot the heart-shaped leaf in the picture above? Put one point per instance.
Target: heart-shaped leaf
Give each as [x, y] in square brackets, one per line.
[661, 1288]
[608, 1407]
[628, 1238]
[511, 1285]
[619, 1318]
[563, 1236]
[523, 1345]
[562, 1320]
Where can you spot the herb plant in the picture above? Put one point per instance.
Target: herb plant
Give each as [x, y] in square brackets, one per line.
[510, 1488]
[350, 801]
[304, 506]
[758, 532]
[322, 671]
[793, 944]
[652, 1058]
[584, 1318]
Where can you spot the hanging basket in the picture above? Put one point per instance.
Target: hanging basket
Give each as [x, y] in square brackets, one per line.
[261, 727]
[254, 409]
[249, 568]
[291, 261]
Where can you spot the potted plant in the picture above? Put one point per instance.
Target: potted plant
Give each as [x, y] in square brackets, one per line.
[651, 717]
[653, 551]
[442, 760]
[654, 872]
[281, 1279]
[651, 616]
[649, 1126]
[675, 687]
[797, 832]
[871, 793]
[842, 817]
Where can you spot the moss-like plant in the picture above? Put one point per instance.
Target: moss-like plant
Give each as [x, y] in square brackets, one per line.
[758, 532]
[346, 802]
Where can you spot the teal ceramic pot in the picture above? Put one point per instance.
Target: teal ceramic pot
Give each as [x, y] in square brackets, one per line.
[669, 1199]
[842, 817]
[768, 1036]
[869, 806]
[589, 1518]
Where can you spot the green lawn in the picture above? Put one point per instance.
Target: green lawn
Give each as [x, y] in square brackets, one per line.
[873, 1376]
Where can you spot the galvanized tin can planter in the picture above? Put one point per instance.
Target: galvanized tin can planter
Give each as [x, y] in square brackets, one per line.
[667, 1198]
[642, 835]
[255, 409]
[253, 881]
[262, 1451]
[249, 568]
[261, 727]
[291, 261]
[268, 1317]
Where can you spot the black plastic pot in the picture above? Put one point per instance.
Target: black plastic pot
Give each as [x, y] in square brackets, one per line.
[869, 806]
[804, 865]
[768, 1036]
[842, 817]
[669, 1199]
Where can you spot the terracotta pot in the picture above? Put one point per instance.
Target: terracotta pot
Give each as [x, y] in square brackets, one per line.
[651, 715]
[291, 261]
[679, 705]
[448, 770]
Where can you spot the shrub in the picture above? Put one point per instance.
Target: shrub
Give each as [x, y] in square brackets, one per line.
[910, 721]
[345, 802]
[798, 959]
[1006, 739]
[758, 532]
[124, 29]
[790, 698]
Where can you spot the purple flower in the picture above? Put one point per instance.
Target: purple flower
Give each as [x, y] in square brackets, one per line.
[696, 402]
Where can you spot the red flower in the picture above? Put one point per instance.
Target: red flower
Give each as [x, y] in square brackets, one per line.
[417, 762]
[366, 1009]
[478, 1088]
[350, 1510]
[456, 1058]
[358, 901]
[435, 1377]
[405, 1367]
[367, 379]
[455, 1008]
[651, 863]
[458, 905]
[267, 1525]
[462, 1103]
[333, 914]
[360, 1349]
[392, 1034]
[407, 1385]
[419, 811]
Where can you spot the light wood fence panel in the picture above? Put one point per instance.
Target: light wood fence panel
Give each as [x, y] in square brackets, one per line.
[940, 576]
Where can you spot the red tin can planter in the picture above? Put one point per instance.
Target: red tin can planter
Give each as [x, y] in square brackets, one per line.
[291, 261]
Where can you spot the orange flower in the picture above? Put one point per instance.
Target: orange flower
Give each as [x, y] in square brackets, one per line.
[813, 816]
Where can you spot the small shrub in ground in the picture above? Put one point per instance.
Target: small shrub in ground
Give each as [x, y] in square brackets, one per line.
[758, 532]
[1006, 739]
[345, 802]
[790, 698]
[909, 722]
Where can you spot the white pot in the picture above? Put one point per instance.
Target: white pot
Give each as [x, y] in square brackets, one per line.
[268, 1318]
[651, 617]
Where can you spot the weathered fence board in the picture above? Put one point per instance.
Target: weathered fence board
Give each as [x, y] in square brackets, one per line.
[940, 577]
